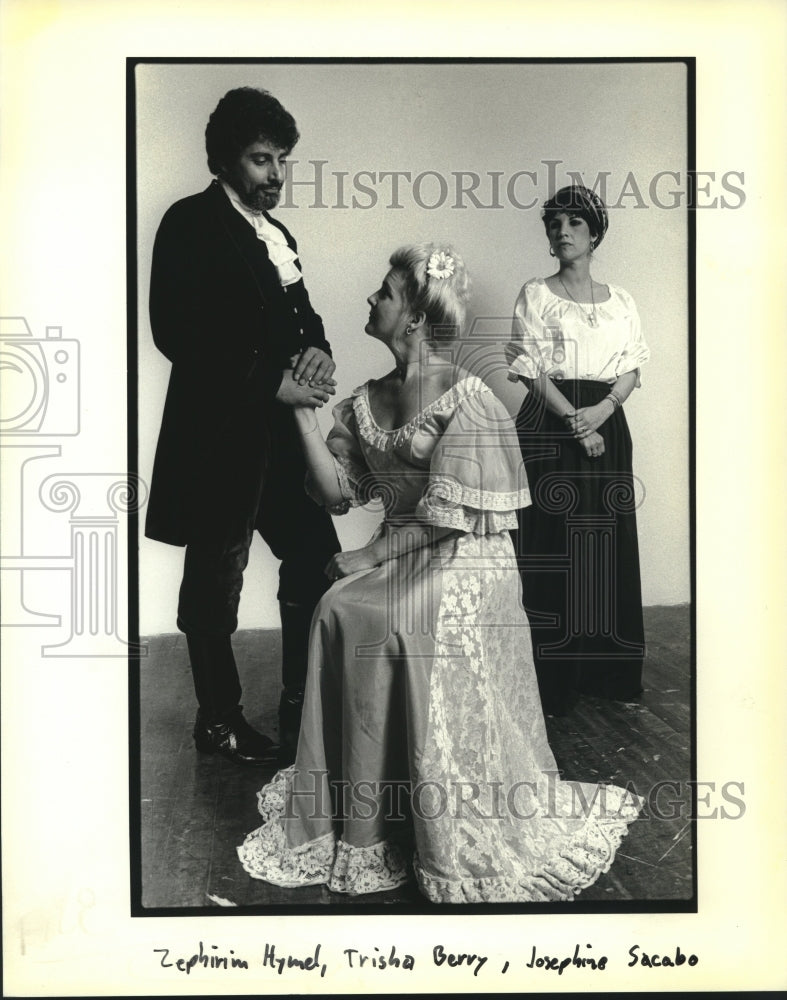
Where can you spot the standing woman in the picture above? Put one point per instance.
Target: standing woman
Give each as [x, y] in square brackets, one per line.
[578, 346]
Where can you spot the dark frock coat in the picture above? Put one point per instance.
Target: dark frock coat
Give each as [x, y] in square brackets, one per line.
[220, 315]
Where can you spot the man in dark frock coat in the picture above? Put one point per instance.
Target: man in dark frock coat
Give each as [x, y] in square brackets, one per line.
[229, 309]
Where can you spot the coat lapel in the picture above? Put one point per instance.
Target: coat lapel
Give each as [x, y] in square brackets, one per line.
[240, 234]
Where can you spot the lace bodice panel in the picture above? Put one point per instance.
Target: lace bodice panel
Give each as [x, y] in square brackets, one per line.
[456, 464]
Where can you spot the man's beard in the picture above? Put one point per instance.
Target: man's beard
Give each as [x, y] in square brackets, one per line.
[261, 200]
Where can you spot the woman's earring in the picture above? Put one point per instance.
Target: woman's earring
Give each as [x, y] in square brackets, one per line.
[551, 252]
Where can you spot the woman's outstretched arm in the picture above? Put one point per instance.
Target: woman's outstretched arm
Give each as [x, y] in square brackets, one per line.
[319, 460]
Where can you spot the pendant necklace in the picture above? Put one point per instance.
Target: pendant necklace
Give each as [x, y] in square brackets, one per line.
[589, 316]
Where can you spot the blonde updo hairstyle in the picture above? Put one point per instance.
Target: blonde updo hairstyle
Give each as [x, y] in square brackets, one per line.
[442, 299]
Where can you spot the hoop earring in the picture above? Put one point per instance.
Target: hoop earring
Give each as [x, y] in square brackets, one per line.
[551, 252]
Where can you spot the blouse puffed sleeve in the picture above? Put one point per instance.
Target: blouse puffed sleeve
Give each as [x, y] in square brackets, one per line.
[530, 347]
[351, 467]
[635, 351]
[477, 478]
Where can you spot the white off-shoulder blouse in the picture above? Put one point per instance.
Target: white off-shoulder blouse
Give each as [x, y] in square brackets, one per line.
[553, 335]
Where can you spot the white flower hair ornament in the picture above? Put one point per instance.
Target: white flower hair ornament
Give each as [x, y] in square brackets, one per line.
[440, 265]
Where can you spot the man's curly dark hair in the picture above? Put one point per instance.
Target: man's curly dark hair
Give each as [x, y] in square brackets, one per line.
[243, 116]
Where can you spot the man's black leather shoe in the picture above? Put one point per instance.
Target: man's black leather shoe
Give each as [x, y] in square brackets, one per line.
[234, 739]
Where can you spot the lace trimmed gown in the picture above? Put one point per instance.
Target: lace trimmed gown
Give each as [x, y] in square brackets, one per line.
[423, 751]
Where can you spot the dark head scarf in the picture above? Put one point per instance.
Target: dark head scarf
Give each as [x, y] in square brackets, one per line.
[580, 201]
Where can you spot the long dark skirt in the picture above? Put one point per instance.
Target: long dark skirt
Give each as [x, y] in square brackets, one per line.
[578, 555]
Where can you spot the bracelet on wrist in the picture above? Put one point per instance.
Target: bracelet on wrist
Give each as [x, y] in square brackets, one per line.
[616, 401]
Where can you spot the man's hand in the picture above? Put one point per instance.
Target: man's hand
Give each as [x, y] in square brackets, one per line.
[313, 367]
[346, 563]
[295, 394]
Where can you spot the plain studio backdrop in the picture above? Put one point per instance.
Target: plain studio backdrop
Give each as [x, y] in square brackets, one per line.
[516, 128]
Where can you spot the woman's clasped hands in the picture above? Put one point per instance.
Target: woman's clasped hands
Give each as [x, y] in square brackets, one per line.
[584, 423]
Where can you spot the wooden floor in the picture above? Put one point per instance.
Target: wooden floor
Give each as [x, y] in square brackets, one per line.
[195, 809]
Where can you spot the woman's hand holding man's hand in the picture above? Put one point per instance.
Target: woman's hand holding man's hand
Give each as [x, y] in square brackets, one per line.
[309, 382]
[313, 367]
